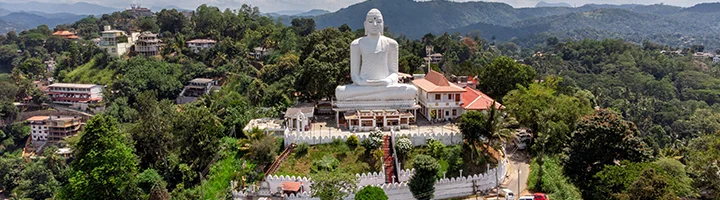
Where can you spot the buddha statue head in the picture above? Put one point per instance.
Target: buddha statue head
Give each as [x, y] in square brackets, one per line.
[374, 23]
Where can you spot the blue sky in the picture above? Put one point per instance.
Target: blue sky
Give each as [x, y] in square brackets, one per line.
[332, 5]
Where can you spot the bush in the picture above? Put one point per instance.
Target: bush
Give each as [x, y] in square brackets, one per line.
[352, 141]
[147, 179]
[327, 163]
[436, 148]
[374, 140]
[403, 146]
[453, 155]
[553, 180]
[371, 193]
[302, 149]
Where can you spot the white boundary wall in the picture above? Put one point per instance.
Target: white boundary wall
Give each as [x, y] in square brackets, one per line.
[444, 187]
[418, 139]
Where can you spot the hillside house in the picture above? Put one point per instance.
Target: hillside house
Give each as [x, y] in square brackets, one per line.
[198, 45]
[148, 44]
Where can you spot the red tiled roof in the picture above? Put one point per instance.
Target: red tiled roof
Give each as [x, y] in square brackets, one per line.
[291, 186]
[475, 100]
[63, 33]
[436, 82]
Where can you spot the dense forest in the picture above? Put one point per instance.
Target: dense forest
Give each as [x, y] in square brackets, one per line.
[613, 119]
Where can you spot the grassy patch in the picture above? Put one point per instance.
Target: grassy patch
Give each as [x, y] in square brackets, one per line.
[217, 186]
[554, 181]
[89, 73]
[351, 160]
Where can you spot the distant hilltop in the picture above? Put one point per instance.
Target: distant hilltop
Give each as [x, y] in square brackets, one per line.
[543, 4]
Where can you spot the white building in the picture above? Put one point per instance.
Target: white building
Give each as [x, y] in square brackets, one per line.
[38, 130]
[115, 42]
[300, 116]
[148, 44]
[75, 94]
[439, 99]
[197, 45]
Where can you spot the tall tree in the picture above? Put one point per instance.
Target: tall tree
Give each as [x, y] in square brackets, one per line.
[171, 21]
[303, 26]
[602, 139]
[422, 183]
[503, 75]
[333, 185]
[104, 166]
[650, 185]
[481, 132]
[152, 134]
[37, 182]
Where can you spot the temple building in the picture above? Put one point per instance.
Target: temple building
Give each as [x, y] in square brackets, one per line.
[368, 120]
[439, 99]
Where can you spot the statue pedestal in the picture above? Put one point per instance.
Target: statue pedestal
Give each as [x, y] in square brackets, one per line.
[375, 105]
[367, 115]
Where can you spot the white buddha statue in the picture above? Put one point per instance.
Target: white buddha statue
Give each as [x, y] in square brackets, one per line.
[374, 67]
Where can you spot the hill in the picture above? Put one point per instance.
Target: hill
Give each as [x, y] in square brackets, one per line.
[546, 4]
[705, 7]
[80, 8]
[29, 20]
[313, 12]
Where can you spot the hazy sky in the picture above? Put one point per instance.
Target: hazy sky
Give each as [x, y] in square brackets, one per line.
[333, 5]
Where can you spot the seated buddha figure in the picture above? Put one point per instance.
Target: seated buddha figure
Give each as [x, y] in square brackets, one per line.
[374, 67]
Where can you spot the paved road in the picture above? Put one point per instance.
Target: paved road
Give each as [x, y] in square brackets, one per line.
[518, 160]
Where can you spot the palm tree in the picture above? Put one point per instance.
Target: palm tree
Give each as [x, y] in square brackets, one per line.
[483, 131]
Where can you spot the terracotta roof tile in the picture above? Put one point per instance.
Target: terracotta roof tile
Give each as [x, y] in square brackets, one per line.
[436, 82]
[475, 100]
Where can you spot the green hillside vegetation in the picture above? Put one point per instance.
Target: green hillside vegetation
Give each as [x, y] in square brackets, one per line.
[89, 73]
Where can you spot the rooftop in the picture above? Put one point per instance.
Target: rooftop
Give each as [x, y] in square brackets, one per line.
[63, 33]
[475, 100]
[37, 118]
[306, 109]
[201, 80]
[436, 82]
[267, 124]
[291, 186]
[201, 41]
[73, 85]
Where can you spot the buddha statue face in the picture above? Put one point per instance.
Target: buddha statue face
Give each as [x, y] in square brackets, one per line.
[374, 23]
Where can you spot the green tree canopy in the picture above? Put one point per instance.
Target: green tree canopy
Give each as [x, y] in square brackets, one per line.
[422, 183]
[104, 165]
[503, 75]
[371, 193]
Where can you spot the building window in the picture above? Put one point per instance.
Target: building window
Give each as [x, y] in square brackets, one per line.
[454, 112]
[447, 113]
[450, 96]
[457, 97]
[437, 96]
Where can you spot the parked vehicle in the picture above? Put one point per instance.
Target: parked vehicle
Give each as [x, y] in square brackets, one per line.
[527, 198]
[523, 139]
[508, 194]
[540, 196]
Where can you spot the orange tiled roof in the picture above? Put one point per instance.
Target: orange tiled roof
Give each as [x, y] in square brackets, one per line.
[37, 118]
[436, 82]
[291, 186]
[475, 100]
[63, 33]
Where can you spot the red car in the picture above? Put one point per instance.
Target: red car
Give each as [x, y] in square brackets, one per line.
[540, 196]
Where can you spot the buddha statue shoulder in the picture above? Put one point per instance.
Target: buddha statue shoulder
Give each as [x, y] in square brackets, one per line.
[374, 67]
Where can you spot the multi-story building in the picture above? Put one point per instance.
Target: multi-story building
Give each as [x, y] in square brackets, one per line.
[195, 89]
[439, 99]
[54, 128]
[137, 11]
[60, 127]
[75, 94]
[38, 130]
[197, 45]
[148, 44]
[115, 42]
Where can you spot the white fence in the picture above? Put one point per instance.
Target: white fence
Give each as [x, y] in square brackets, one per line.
[418, 139]
[444, 187]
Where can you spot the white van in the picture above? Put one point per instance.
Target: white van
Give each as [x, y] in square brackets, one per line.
[528, 197]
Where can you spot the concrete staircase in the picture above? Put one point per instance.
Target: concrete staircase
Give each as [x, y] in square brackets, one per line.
[388, 161]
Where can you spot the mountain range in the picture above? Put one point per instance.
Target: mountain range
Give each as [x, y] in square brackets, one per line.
[80, 8]
[693, 25]
[546, 4]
